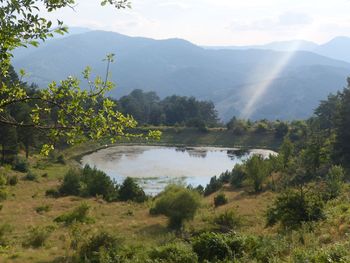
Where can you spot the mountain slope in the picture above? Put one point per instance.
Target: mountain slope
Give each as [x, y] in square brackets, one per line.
[293, 83]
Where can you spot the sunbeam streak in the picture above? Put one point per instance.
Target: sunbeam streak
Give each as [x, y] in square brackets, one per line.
[275, 71]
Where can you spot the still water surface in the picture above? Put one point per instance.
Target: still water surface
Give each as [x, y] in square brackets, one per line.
[154, 167]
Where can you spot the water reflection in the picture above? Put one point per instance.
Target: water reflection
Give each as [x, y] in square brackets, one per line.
[155, 167]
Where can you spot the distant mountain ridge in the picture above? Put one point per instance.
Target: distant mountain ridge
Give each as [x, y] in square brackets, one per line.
[292, 83]
[337, 48]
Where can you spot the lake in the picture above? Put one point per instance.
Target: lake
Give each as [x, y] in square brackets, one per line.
[154, 167]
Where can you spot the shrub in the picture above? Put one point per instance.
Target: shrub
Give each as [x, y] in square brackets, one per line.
[4, 230]
[52, 193]
[37, 236]
[227, 221]
[211, 247]
[178, 204]
[337, 253]
[129, 190]
[12, 180]
[292, 208]
[174, 253]
[71, 183]
[102, 247]
[220, 199]
[79, 214]
[30, 176]
[21, 165]
[3, 194]
[43, 208]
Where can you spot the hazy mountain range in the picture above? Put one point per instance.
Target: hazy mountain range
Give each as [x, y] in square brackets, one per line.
[272, 80]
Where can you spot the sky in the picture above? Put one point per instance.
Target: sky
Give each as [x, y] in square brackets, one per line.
[217, 22]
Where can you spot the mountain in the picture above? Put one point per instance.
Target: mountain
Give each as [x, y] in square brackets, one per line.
[277, 46]
[284, 85]
[337, 48]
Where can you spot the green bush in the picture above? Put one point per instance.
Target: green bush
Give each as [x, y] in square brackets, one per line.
[220, 200]
[337, 253]
[129, 190]
[4, 230]
[43, 208]
[102, 247]
[3, 193]
[52, 193]
[174, 253]
[292, 208]
[30, 176]
[211, 247]
[71, 183]
[79, 214]
[21, 165]
[227, 221]
[178, 204]
[12, 180]
[37, 236]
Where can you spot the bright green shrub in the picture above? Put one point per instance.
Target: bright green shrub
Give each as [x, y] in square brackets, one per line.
[173, 253]
[211, 247]
[100, 248]
[292, 208]
[178, 204]
[79, 214]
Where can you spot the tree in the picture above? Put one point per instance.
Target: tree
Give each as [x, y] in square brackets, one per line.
[61, 110]
[257, 171]
[129, 190]
[178, 204]
[342, 146]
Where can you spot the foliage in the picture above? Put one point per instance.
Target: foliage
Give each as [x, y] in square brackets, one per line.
[71, 183]
[211, 247]
[257, 171]
[238, 175]
[214, 185]
[334, 182]
[37, 236]
[293, 208]
[30, 176]
[78, 214]
[5, 229]
[12, 180]
[174, 253]
[101, 247]
[88, 182]
[178, 204]
[129, 190]
[220, 199]
[43, 208]
[227, 221]
[21, 165]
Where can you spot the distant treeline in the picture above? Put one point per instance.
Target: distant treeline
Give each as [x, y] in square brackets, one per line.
[148, 108]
